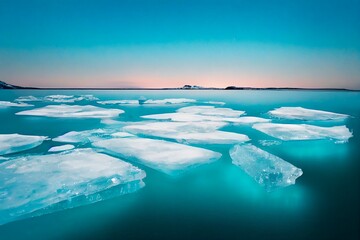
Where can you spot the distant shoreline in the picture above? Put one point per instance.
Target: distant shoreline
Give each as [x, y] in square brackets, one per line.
[6, 86]
[202, 89]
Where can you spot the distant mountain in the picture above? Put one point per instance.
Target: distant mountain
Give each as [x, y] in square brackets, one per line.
[4, 85]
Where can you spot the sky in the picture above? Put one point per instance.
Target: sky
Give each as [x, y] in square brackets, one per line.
[153, 43]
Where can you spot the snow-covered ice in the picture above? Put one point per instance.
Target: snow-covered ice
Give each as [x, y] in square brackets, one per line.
[57, 98]
[61, 148]
[37, 184]
[168, 157]
[72, 111]
[215, 103]
[303, 131]
[11, 143]
[211, 110]
[13, 104]
[248, 120]
[268, 170]
[89, 135]
[300, 113]
[190, 132]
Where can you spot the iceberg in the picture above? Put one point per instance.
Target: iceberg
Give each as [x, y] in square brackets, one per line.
[299, 113]
[168, 157]
[288, 132]
[72, 111]
[38, 184]
[268, 170]
[12, 143]
[61, 148]
[12, 104]
[189, 132]
[211, 110]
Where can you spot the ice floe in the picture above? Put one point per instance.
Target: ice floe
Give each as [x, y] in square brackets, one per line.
[61, 148]
[57, 98]
[149, 101]
[168, 157]
[300, 113]
[215, 103]
[38, 184]
[12, 104]
[11, 143]
[268, 170]
[190, 132]
[72, 111]
[211, 110]
[267, 143]
[303, 131]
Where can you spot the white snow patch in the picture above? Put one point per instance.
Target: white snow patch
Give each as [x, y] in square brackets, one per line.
[61, 148]
[72, 111]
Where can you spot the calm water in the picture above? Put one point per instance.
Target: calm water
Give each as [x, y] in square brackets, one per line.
[216, 201]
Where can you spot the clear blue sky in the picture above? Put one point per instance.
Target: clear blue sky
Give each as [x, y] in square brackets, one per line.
[140, 43]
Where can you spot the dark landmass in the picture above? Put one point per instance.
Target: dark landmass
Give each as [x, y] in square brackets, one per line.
[4, 85]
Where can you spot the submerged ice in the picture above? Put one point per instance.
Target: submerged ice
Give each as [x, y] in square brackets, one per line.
[303, 131]
[38, 184]
[268, 170]
[72, 111]
[300, 113]
[168, 157]
[12, 143]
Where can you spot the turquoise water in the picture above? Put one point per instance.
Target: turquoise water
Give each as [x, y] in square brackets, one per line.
[215, 201]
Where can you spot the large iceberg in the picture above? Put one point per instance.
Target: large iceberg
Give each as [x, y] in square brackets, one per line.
[38, 184]
[12, 104]
[190, 132]
[268, 170]
[300, 113]
[168, 157]
[303, 131]
[211, 110]
[11, 143]
[72, 111]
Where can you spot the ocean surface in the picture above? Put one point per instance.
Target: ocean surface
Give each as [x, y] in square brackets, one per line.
[217, 200]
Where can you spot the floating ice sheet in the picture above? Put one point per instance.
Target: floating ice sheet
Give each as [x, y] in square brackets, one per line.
[90, 135]
[189, 117]
[168, 157]
[72, 111]
[38, 184]
[149, 101]
[11, 143]
[300, 113]
[12, 104]
[215, 103]
[61, 148]
[211, 111]
[191, 132]
[57, 98]
[303, 131]
[268, 170]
